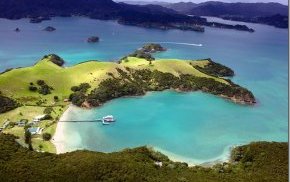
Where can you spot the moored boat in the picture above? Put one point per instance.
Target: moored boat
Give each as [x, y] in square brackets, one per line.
[108, 118]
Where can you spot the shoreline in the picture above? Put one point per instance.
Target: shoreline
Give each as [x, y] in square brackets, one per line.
[223, 157]
[59, 138]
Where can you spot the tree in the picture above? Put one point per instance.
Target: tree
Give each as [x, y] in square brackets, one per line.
[40, 82]
[32, 88]
[48, 110]
[27, 136]
[150, 62]
[30, 146]
[40, 146]
[46, 136]
[55, 98]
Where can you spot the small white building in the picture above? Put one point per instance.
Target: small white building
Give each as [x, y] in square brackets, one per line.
[38, 118]
[6, 123]
[35, 130]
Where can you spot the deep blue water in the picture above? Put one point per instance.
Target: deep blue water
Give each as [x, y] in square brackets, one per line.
[195, 126]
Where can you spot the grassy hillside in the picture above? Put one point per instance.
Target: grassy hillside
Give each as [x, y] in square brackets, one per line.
[255, 162]
[48, 85]
[15, 83]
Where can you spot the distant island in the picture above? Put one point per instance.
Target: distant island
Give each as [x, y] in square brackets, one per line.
[273, 14]
[93, 39]
[149, 16]
[49, 29]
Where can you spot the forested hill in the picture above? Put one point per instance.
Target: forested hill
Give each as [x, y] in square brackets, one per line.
[152, 16]
[261, 161]
[266, 13]
[100, 9]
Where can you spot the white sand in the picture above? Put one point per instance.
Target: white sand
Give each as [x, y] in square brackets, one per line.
[224, 157]
[59, 138]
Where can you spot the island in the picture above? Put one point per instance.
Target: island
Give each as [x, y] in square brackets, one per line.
[30, 110]
[93, 39]
[149, 16]
[49, 29]
[44, 90]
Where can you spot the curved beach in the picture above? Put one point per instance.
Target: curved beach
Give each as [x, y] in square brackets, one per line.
[62, 144]
[59, 136]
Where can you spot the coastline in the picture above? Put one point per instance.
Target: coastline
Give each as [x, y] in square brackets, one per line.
[59, 138]
[223, 157]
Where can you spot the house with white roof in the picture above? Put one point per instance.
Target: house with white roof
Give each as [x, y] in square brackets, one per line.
[35, 130]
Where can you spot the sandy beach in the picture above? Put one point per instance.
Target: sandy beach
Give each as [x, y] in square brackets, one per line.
[224, 157]
[59, 138]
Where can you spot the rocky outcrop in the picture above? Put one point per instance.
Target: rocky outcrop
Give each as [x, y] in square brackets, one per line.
[152, 48]
[49, 29]
[55, 59]
[93, 39]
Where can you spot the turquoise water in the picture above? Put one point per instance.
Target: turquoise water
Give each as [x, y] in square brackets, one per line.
[189, 125]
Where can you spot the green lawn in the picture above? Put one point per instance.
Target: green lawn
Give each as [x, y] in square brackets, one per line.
[174, 66]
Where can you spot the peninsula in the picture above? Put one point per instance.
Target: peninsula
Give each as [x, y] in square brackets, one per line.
[47, 88]
[35, 97]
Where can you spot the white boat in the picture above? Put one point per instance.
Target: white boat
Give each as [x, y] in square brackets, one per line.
[105, 123]
[108, 118]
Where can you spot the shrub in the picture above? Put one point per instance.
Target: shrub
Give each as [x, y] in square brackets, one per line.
[32, 88]
[27, 136]
[7, 104]
[40, 82]
[83, 87]
[55, 98]
[48, 110]
[45, 89]
[46, 136]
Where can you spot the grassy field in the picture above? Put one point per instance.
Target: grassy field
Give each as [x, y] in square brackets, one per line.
[29, 112]
[15, 84]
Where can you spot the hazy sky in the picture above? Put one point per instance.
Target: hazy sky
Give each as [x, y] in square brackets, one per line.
[198, 1]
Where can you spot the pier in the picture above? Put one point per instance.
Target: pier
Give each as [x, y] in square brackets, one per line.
[82, 121]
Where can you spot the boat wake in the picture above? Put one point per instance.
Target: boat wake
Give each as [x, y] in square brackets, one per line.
[182, 43]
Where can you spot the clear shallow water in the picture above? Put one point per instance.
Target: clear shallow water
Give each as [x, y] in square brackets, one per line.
[193, 125]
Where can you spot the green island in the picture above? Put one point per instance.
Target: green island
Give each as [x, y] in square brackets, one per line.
[260, 161]
[36, 97]
[32, 99]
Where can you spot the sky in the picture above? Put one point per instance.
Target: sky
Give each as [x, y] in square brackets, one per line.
[198, 1]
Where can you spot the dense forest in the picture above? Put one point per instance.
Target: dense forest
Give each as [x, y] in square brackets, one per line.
[7, 104]
[260, 161]
[132, 82]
